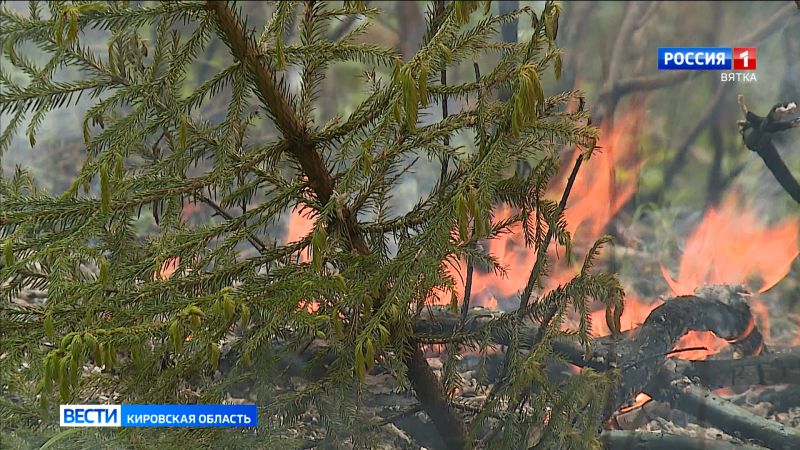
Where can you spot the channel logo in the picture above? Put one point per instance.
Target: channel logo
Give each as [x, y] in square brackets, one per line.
[707, 58]
[91, 415]
[159, 416]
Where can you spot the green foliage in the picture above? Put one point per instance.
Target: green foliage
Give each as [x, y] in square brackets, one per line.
[157, 312]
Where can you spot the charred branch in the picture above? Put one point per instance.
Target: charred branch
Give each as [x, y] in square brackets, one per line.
[643, 440]
[639, 354]
[757, 133]
[775, 368]
[640, 357]
[726, 416]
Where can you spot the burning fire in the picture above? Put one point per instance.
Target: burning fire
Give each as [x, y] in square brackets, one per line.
[731, 246]
[606, 181]
[300, 225]
[599, 190]
[167, 268]
[640, 400]
[635, 312]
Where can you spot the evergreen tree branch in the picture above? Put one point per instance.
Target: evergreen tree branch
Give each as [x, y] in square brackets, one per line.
[274, 99]
[253, 239]
[302, 148]
[538, 265]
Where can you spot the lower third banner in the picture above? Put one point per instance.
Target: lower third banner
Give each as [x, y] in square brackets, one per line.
[159, 415]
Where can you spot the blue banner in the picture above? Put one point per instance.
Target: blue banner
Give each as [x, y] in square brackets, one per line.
[189, 415]
[159, 415]
[695, 58]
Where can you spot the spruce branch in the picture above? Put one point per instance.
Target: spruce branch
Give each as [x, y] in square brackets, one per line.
[253, 239]
[301, 146]
[541, 254]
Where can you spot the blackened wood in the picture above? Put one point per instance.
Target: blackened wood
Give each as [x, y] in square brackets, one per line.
[773, 368]
[640, 355]
[779, 399]
[644, 440]
[728, 417]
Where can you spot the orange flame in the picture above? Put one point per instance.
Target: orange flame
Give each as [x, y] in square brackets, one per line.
[596, 196]
[299, 226]
[731, 246]
[635, 312]
[640, 400]
[168, 268]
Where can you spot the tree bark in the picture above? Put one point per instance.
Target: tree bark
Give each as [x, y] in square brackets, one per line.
[774, 368]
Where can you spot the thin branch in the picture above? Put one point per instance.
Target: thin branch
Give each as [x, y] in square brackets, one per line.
[253, 239]
[647, 15]
[445, 160]
[542, 250]
[467, 290]
[470, 260]
[679, 161]
[342, 28]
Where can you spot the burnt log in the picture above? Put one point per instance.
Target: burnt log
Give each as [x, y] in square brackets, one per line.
[779, 399]
[769, 369]
[638, 354]
[643, 440]
[723, 414]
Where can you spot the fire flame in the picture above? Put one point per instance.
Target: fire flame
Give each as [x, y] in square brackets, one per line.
[635, 312]
[299, 226]
[167, 268]
[732, 246]
[606, 181]
[640, 400]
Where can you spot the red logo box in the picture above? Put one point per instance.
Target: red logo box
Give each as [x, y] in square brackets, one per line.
[744, 58]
